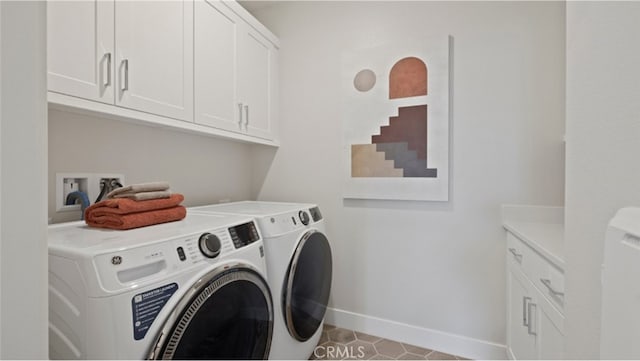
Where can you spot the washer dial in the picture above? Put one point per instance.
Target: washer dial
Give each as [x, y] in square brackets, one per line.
[209, 245]
[304, 217]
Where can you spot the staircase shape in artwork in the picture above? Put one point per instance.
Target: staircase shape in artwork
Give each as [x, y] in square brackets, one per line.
[404, 141]
[406, 159]
[366, 161]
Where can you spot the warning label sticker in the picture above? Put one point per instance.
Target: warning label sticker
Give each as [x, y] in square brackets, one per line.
[147, 305]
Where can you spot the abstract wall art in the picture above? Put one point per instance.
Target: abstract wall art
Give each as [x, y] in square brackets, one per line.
[396, 102]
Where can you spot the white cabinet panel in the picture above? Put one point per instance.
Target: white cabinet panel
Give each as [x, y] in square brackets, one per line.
[154, 57]
[254, 82]
[80, 49]
[522, 344]
[551, 336]
[215, 66]
[535, 320]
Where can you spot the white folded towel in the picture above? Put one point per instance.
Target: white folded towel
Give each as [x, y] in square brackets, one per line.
[141, 196]
[140, 188]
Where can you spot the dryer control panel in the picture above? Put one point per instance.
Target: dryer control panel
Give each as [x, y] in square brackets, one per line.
[277, 225]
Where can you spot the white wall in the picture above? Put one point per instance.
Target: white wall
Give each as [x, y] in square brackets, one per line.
[603, 129]
[23, 147]
[204, 169]
[438, 267]
[1, 324]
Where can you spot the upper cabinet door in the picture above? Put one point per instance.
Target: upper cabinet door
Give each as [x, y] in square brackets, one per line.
[154, 57]
[255, 59]
[80, 51]
[215, 66]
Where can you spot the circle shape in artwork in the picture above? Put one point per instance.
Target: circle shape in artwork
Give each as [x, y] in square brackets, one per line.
[364, 80]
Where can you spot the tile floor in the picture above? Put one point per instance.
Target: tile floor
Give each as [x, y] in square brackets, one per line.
[342, 344]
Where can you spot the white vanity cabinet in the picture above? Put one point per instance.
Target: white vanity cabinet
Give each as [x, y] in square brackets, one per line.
[535, 323]
[535, 289]
[202, 66]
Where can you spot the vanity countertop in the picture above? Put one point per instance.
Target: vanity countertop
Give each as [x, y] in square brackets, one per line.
[541, 228]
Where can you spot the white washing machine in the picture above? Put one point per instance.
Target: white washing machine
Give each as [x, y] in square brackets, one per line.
[299, 268]
[196, 288]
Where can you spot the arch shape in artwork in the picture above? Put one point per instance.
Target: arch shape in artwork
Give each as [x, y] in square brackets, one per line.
[408, 78]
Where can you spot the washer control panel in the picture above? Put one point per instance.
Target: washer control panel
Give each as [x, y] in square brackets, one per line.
[315, 214]
[304, 217]
[147, 262]
[204, 246]
[244, 234]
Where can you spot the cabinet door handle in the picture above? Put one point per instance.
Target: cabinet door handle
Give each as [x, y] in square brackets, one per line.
[246, 123]
[107, 81]
[530, 328]
[525, 303]
[125, 68]
[240, 115]
[516, 254]
[547, 283]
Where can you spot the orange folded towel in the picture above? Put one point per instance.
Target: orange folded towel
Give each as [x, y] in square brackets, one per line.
[135, 220]
[124, 213]
[126, 205]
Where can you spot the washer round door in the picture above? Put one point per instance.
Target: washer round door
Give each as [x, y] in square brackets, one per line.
[307, 286]
[227, 314]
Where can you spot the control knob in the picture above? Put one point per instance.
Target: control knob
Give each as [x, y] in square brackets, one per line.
[304, 217]
[209, 245]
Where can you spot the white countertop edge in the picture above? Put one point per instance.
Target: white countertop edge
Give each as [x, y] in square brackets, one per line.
[532, 240]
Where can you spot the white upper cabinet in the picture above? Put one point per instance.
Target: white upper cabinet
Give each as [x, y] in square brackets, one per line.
[235, 72]
[204, 66]
[154, 57]
[255, 56]
[80, 51]
[215, 66]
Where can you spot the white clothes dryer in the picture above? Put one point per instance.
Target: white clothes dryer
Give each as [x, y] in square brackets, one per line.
[299, 265]
[620, 278]
[195, 288]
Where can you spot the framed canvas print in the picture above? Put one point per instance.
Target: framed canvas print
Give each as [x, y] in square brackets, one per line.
[396, 121]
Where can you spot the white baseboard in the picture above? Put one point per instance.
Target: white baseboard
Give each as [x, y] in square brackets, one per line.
[419, 336]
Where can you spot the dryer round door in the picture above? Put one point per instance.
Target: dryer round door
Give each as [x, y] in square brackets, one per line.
[227, 314]
[307, 285]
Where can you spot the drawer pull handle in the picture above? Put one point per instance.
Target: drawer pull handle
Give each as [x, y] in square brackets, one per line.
[547, 283]
[246, 113]
[125, 67]
[525, 315]
[107, 81]
[530, 326]
[516, 254]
